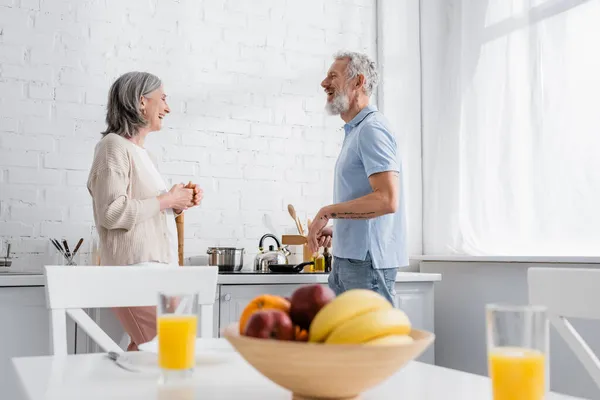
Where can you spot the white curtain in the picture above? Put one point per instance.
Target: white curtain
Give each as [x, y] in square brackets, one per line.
[511, 127]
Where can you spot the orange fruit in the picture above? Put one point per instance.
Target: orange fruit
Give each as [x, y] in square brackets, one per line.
[301, 335]
[262, 302]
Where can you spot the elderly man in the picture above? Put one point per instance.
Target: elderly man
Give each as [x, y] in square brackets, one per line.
[369, 223]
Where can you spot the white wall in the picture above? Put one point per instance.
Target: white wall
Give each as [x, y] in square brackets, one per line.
[440, 37]
[243, 82]
[398, 42]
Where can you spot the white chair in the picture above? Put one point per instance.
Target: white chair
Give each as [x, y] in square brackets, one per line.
[569, 293]
[71, 289]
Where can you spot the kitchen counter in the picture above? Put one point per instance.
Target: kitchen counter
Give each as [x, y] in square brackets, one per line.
[12, 279]
[302, 278]
[26, 279]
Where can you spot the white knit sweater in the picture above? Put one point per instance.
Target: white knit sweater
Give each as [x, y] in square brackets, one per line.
[130, 225]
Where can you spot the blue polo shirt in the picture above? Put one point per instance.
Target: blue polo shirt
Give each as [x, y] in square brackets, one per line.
[369, 147]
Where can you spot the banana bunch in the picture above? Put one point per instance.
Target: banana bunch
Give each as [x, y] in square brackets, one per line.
[360, 316]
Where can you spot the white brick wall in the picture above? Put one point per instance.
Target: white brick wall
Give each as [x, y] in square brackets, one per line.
[243, 82]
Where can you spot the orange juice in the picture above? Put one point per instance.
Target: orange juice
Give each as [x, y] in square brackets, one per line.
[517, 373]
[176, 341]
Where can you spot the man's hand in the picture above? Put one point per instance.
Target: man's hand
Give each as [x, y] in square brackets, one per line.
[326, 236]
[315, 231]
[383, 200]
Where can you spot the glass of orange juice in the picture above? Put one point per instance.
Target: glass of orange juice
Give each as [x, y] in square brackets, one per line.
[176, 324]
[518, 343]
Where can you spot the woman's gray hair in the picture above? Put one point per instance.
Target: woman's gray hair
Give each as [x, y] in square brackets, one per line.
[361, 64]
[123, 112]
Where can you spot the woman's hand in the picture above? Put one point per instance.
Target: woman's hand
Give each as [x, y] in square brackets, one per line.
[178, 198]
[198, 193]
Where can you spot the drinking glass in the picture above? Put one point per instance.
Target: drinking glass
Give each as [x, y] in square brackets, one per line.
[177, 321]
[517, 345]
[176, 392]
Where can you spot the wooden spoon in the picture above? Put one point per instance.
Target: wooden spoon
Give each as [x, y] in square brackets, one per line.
[292, 212]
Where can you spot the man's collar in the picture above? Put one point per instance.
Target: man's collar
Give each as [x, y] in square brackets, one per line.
[360, 116]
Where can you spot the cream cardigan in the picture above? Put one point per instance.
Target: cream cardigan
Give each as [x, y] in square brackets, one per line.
[130, 225]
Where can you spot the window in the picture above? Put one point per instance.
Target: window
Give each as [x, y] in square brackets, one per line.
[511, 120]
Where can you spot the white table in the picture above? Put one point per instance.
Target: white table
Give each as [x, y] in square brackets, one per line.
[94, 376]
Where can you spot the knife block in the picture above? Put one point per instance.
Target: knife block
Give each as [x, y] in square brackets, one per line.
[295, 240]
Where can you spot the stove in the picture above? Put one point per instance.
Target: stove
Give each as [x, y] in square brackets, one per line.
[266, 273]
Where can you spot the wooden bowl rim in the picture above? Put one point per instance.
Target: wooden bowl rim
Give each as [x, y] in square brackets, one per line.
[232, 331]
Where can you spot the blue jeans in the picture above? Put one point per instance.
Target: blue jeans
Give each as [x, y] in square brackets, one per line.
[358, 274]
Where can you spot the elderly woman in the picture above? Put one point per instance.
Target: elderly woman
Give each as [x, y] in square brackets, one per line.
[133, 210]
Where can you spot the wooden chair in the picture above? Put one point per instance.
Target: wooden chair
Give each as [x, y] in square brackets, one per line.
[569, 293]
[71, 289]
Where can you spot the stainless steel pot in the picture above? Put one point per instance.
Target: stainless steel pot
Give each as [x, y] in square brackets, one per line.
[226, 258]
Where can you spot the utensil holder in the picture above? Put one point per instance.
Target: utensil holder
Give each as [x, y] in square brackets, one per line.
[55, 257]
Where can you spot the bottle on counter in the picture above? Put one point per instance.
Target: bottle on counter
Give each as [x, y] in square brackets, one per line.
[319, 263]
[328, 259]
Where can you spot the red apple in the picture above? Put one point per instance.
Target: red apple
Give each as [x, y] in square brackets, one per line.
[270, 324]
[307, 301]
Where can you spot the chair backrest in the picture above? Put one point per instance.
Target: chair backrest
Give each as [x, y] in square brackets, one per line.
[569, 293]
[70, 289]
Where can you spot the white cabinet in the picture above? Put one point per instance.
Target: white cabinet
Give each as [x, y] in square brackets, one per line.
[414, 298]
[25, 323]
[24, 332]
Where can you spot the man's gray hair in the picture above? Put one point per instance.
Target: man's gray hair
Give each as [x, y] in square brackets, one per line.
[123, 112]
[361, 64]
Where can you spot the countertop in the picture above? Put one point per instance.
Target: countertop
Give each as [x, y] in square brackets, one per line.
[273, 279]
[509, 259]
[37, 279]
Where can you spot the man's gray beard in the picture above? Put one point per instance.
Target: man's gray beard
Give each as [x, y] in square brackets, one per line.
[340, 104]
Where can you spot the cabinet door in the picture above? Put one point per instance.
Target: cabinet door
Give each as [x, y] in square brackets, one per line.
[25, 332]
[416, 300]
[216, 312]
[234, 298]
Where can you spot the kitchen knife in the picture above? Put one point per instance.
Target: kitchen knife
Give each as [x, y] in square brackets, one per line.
[67, 252]
[77, 247]
[58, 246]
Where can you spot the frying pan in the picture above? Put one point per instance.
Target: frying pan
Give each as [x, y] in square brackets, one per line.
[288, 268]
